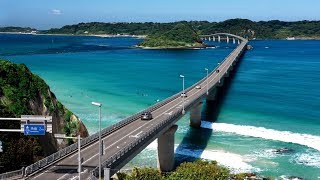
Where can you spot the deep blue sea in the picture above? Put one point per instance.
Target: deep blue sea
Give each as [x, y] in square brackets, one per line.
[272, 101]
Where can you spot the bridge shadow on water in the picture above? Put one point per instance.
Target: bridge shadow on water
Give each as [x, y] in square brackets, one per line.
[196, 140]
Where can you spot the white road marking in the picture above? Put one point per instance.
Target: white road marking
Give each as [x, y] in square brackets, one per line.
[168, 113]
[85, 171]
[137, 135]
[64, 175]
[45, 172]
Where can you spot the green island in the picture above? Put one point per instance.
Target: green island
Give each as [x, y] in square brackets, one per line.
[181, 36]
[24, 93]
[199, 169]
[273, 29]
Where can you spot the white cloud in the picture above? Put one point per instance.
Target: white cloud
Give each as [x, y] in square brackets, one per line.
[56, 12]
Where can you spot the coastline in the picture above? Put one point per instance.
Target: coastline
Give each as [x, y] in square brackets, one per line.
[143, 37]
[95, 35]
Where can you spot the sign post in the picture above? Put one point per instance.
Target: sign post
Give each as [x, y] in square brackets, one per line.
[63, 136]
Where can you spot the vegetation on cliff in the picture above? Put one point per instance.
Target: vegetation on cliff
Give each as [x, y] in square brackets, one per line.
[17, 29]
[199, 169]
[181, 35]
[261, 30]
[24, 93]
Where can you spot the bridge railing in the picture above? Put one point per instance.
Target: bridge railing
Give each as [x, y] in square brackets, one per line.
[89, 140]
[17, 174]
[148, 135]
[94, 137]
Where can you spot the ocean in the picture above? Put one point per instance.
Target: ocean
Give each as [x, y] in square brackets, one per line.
[270, 102]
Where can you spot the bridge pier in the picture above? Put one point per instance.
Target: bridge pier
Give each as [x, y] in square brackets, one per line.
[213, 38]
[220, 84]
[219, 38]
[195, 115]
[166, 150]
[227, 74]
[238, 41]
[227, 39]
[212, 95]
[234, 40]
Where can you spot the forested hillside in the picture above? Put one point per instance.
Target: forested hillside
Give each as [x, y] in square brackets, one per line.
[260, 30]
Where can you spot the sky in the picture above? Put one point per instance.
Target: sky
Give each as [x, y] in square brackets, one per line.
[46, 14]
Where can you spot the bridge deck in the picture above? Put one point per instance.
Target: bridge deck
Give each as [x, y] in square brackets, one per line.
[116, 142]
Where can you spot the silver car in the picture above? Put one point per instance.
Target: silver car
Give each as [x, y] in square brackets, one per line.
[146, 116]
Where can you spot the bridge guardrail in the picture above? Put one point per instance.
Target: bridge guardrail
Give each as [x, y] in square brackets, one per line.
[17, 174]
[89, 140]
[144, 137]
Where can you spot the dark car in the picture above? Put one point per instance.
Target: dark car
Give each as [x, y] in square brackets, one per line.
[146, 116]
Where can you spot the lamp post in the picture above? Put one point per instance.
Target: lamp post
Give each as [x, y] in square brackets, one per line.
[63, 136]
[206, 69]
[99, 105]
[218, 71]
[184, 94]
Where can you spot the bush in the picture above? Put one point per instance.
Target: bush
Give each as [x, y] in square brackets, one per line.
[199, 169]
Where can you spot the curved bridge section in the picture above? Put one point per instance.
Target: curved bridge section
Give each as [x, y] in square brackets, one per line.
[126, 139]
[223, 36]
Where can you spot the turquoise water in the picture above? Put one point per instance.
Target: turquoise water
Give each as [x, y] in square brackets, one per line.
[271, 102]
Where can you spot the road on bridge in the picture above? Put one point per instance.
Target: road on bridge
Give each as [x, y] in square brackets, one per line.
[66, 168]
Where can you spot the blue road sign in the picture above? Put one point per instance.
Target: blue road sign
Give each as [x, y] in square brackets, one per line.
[34, 129]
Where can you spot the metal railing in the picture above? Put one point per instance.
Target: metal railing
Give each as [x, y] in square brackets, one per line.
[93, 138]
[150, 134]
[17, 174]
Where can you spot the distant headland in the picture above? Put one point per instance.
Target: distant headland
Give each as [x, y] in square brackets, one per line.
[274, 29]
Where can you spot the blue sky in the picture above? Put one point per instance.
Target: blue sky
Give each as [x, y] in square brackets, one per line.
[45, 14]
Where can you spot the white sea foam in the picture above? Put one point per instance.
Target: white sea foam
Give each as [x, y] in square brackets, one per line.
[153, 145]
[261, 132]
[236, 163]
[266, 154]
[307, 159]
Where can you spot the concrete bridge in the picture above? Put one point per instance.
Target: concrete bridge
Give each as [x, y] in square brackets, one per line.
[223, 36]
[124, 140]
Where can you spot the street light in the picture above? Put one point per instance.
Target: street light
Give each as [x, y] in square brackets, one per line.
[99, 105]
[184, 94]
[218, 71]
[206, 69]
[63, 136]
